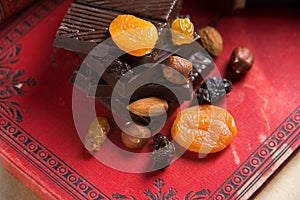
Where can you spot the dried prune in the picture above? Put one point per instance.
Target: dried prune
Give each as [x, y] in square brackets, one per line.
[163, 153]
[212, 90]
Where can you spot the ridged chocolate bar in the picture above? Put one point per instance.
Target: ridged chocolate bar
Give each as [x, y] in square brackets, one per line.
[164, 10]
[86, 22]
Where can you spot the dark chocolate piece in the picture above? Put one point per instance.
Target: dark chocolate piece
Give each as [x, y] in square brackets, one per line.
[164, 10]
[93, 86]
[203, 64]
[86, 22]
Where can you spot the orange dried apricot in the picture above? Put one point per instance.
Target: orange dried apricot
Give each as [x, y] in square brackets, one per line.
[204, 129]
[133, 35]
[182, 31]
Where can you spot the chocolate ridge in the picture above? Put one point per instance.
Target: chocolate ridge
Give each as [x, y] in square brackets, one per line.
[162, 10]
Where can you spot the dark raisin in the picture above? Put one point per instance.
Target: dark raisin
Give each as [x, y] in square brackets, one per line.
[159, 141]
[227, 85]
[212, 90]
[163, 153]
[118, 68]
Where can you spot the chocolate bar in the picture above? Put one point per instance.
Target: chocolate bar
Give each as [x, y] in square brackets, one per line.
[86, 22]
[125, 80]
[90, 82]
[164, 10]
[123, 71]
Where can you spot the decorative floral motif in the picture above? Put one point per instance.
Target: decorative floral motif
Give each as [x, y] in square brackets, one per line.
[11, 83]
[170, 195]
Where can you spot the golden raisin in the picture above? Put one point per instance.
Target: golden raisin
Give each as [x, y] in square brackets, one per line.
[133, 35]
[182, 31]
[97, 134]
[204, 129]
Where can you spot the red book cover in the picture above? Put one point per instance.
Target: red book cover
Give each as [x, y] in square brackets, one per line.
[9, 8]
[39, 143]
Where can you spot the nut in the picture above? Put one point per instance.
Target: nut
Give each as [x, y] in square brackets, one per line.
[135, 136]
[241, 59]
[148, 107]
[211, 40]
[177, 70]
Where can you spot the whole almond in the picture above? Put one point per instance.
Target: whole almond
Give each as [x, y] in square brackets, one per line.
[211, 40]
[177, 70]
[148, 107]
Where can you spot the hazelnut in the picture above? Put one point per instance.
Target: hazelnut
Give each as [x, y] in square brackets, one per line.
[135, 136]
[241, 59]
[177, 70]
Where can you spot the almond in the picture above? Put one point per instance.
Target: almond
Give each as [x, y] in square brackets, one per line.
[148, 107]
[177, 70]
[211, 40]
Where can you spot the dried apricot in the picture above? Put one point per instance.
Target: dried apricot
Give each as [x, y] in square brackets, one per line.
[133, 35]
[204, 129]
[182, 31]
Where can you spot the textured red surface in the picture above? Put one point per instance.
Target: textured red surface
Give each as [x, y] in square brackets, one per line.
[44, 150]
[9, 8]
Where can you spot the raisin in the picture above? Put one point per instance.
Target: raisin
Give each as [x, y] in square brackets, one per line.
[164, 151]
[97, 134]
[227, 85]
[183, 31]
[159, 141]
[213, 90]
[118, 68]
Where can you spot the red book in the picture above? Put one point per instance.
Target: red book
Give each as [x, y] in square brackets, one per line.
[39, 143]
[9, 8]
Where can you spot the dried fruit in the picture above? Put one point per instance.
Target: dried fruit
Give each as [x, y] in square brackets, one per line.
[211, 40]
[163, 153]
[241, 59]
[213, 90]
[148, 107]
[133, 35]
[182, 31]
[135, 136]
[118, 68]
[204, 129]
[177, 70]
[97, 132]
